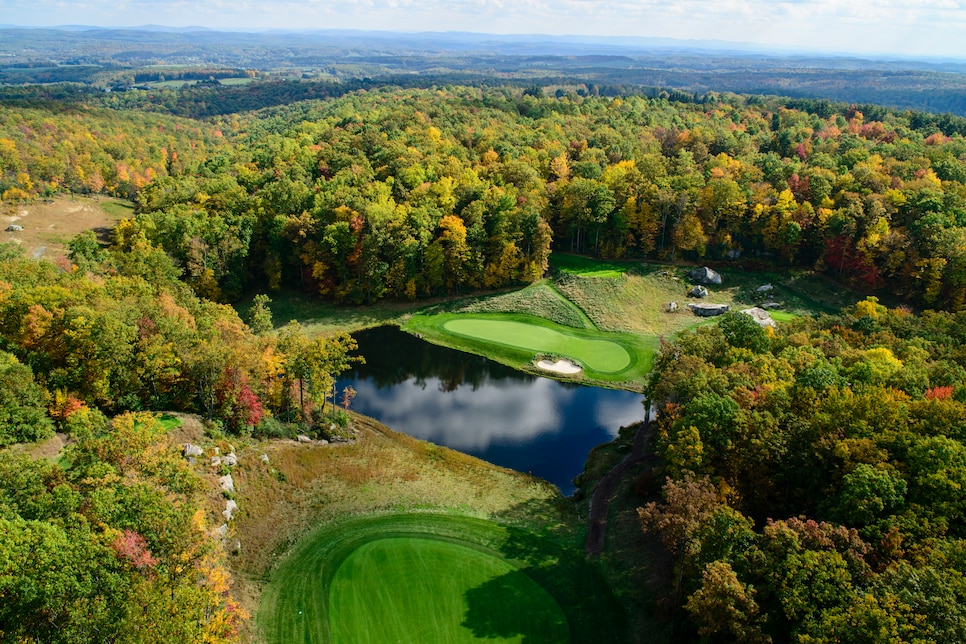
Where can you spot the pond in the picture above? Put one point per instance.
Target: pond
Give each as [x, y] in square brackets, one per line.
[480, 407]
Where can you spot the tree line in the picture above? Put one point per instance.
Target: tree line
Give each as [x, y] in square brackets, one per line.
[400, 193]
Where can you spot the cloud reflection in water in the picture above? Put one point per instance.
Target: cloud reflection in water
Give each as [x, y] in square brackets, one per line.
[485, 409]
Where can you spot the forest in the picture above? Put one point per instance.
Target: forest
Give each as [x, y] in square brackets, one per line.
[814, 477]
[810, 479]
[408, 193]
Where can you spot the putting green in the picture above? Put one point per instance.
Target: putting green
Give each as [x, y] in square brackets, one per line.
[599, 355]
[411, 589]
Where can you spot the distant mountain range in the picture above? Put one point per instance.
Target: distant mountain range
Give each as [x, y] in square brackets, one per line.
[508, 44]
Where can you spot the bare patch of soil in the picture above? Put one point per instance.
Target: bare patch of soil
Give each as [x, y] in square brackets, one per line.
[49, 449]
[49, 225]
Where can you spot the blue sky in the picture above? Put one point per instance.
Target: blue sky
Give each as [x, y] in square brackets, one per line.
[901, 27]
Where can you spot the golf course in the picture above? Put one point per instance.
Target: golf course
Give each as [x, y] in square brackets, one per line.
[428, 550]
[425, 577]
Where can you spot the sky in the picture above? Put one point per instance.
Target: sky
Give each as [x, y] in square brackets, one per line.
[908, 28]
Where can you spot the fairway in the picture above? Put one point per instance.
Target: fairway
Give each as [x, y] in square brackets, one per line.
[425, 590]
[423, 577]
[599, 355]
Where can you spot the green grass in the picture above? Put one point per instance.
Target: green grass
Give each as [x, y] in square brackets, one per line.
[320, 317]
[421, 577]
[599, 355]
[586, 267]
[517, 339]
[540, 299]
[783, 316]
[169, 422]
[423, 588]
[118, 208]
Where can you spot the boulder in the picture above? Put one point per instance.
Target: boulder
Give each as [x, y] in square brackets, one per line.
[771, 305]
[671, 307]
[222, 530]
[764, 288]
[698, 291]
[14, 228]
[733, 254]
[230, 459]
[215, 461]
[705, 275]
[323, 442]
[709, 310]
[230, 509]
[761, 316]
[302, 438]
[192, 450]
[227, 483]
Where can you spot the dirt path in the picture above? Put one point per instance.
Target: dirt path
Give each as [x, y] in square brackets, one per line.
[600, 500]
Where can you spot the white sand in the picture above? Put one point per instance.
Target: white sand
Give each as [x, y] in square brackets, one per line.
[560, 366]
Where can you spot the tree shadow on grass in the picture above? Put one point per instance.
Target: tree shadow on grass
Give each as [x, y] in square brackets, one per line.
[553, 558]
[511, 606]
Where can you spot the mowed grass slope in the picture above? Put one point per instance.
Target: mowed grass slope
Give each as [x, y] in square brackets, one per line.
[430, 578]
[312, 506]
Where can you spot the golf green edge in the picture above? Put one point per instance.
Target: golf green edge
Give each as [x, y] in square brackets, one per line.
[297, 606]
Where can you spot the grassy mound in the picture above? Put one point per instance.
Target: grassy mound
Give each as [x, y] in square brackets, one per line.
[435, 578]
[516, 339]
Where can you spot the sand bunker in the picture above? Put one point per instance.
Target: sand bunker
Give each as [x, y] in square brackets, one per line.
[560, 366]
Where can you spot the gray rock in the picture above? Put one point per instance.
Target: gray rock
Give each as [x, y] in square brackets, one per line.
[764, 288]
[761, 316]
[705, 275]
[734, 253]
[193, 450]
[323, 442]
[698, 291]
[222, 530]
[230, 459]
[14, 228]
[215, 461]
[302, 438]
[771, 305]
[227, 483]
[709, 310]
[192, 460]
[230, 509]
[264, 458]
[671, 307]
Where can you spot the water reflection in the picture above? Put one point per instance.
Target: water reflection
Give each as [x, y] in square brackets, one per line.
[483, 408]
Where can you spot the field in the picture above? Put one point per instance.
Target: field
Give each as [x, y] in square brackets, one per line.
[426, 578]
[47, 227]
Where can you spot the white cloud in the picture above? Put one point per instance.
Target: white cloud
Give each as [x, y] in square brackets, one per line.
[900, 26]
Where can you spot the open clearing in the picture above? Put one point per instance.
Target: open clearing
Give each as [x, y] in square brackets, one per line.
[599, 355]
[423, 589]
[47, 227]
[421, 577]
